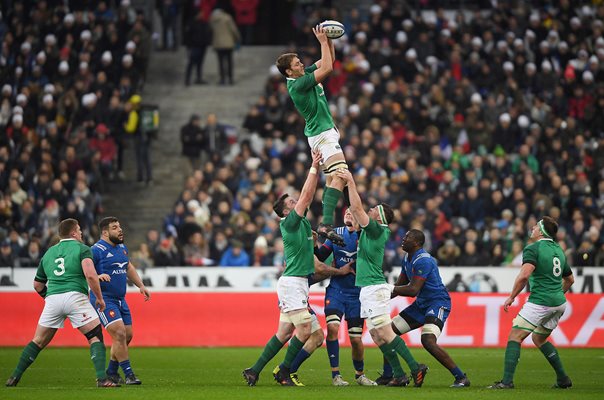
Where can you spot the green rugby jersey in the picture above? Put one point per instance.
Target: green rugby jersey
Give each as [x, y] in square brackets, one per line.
[297, 245]
[309, 99]
[550, 266]
[61, 267]
[370, 254]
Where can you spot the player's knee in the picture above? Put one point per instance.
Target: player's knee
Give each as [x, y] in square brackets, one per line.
[400, 326]
[332, 331]
[96, 332]
[119, 335]
[356, 342]
[539, 338]
[318, 337]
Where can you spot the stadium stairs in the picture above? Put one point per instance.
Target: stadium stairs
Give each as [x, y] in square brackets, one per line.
[141, 208]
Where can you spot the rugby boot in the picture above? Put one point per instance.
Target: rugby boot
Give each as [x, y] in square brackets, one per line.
[339, 381]
[282, 377]
[383, 380]
[400, 381]
[12, 381]
[364, 381]
[132, 380]
[294, 378]
[250, 376]
[501, 385]
[419, 375]
[326, 231]
[116, 378]
[461, 382]
[563, 383]
[106, 382]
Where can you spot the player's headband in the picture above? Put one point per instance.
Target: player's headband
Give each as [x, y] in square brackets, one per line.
[542, 229]
[380, 209]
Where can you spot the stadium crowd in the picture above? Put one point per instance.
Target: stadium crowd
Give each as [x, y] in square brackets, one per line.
[473, 126]
[69, 76]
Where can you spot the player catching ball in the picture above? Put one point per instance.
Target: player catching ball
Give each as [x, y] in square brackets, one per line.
[305, 88]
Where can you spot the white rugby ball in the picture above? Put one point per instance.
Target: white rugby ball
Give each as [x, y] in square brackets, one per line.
[333, 29]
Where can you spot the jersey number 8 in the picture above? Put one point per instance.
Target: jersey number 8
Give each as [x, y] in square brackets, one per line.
[557, 270]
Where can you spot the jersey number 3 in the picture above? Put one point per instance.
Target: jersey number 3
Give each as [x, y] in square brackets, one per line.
[60, 266]
[557, 270]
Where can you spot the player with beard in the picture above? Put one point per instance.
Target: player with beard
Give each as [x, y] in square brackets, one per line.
[110, 257]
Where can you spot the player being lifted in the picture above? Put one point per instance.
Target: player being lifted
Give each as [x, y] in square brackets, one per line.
[305, 88]
[111, 258]
[545, 268]
[342, 299]
[420, 278]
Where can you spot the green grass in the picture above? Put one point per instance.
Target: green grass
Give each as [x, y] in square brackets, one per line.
[199, 373]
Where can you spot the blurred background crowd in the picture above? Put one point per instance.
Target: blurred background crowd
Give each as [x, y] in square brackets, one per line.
[472, 125]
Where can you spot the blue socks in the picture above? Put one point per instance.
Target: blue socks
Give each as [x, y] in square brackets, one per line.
[126, 367]
[113, 367]
[387, 369]
[359, 365]
[333, 352]
[300, 358]
[457, 373]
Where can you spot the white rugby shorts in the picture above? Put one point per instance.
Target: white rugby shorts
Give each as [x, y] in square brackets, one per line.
[542, 316]
[73, 305]
[328, 143]
[375, 300]
[293, 293]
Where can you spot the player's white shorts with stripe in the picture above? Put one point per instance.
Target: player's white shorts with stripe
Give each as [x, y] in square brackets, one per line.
[73, 305]
[292, 292]
[542, 316]
[375, 300]
[328, 143]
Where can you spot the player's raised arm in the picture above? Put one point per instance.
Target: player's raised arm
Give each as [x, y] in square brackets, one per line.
[308, 190]
[93, 282]
[356, 205]
[325, 64]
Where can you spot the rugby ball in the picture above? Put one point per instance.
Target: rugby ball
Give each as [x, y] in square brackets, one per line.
[333, 29]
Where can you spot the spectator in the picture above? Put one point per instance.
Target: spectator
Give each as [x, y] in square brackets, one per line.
[167, 254]
[142, 141]
[225, 36]
[215, 136]
[197, 38]
[235, 256]
[7, 257]
[246, 15]
[105, 145]
[193, 142]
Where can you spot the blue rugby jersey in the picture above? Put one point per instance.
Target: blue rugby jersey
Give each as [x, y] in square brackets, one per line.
[424, 266]
[113, 261]
[342, 256]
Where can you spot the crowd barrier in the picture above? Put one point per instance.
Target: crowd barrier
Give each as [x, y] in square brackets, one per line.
[230, 318]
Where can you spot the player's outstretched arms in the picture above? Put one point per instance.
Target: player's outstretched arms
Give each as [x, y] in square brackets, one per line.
[308, 191]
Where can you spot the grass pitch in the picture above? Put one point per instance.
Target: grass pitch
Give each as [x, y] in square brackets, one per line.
[200, 373]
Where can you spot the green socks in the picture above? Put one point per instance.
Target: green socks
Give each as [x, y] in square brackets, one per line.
[389, 352]
[401, 348]
[550, 352]
[28, 356]
[331, 197]
[512, 355]
[270, 350]
[97, 355]
[295, 345]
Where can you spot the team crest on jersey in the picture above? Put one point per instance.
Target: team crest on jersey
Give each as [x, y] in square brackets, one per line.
[327, 302]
